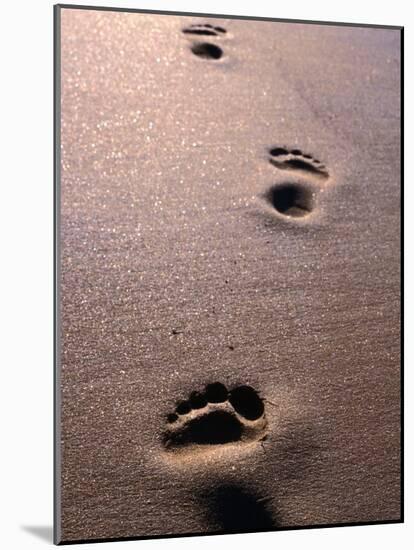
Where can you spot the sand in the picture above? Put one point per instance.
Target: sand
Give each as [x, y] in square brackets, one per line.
[230, 213]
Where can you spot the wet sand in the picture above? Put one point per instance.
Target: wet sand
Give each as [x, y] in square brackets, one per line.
[228, 216]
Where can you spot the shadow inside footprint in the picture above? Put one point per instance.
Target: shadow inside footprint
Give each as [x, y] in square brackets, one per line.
[206, 50]
[233, 508]
[213, 429]
[246, 402]
[291, 199]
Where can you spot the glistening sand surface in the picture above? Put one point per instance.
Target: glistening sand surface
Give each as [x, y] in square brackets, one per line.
[177, 271]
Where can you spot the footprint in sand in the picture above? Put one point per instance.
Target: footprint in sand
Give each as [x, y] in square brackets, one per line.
[295, 199]
[294, 159]
[216, 417]
[205, 50]
[205, 29]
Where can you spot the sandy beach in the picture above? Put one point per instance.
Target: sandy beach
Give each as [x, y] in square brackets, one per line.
[230, 275]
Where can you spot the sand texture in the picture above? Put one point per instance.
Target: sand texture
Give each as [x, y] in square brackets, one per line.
[230, 275]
